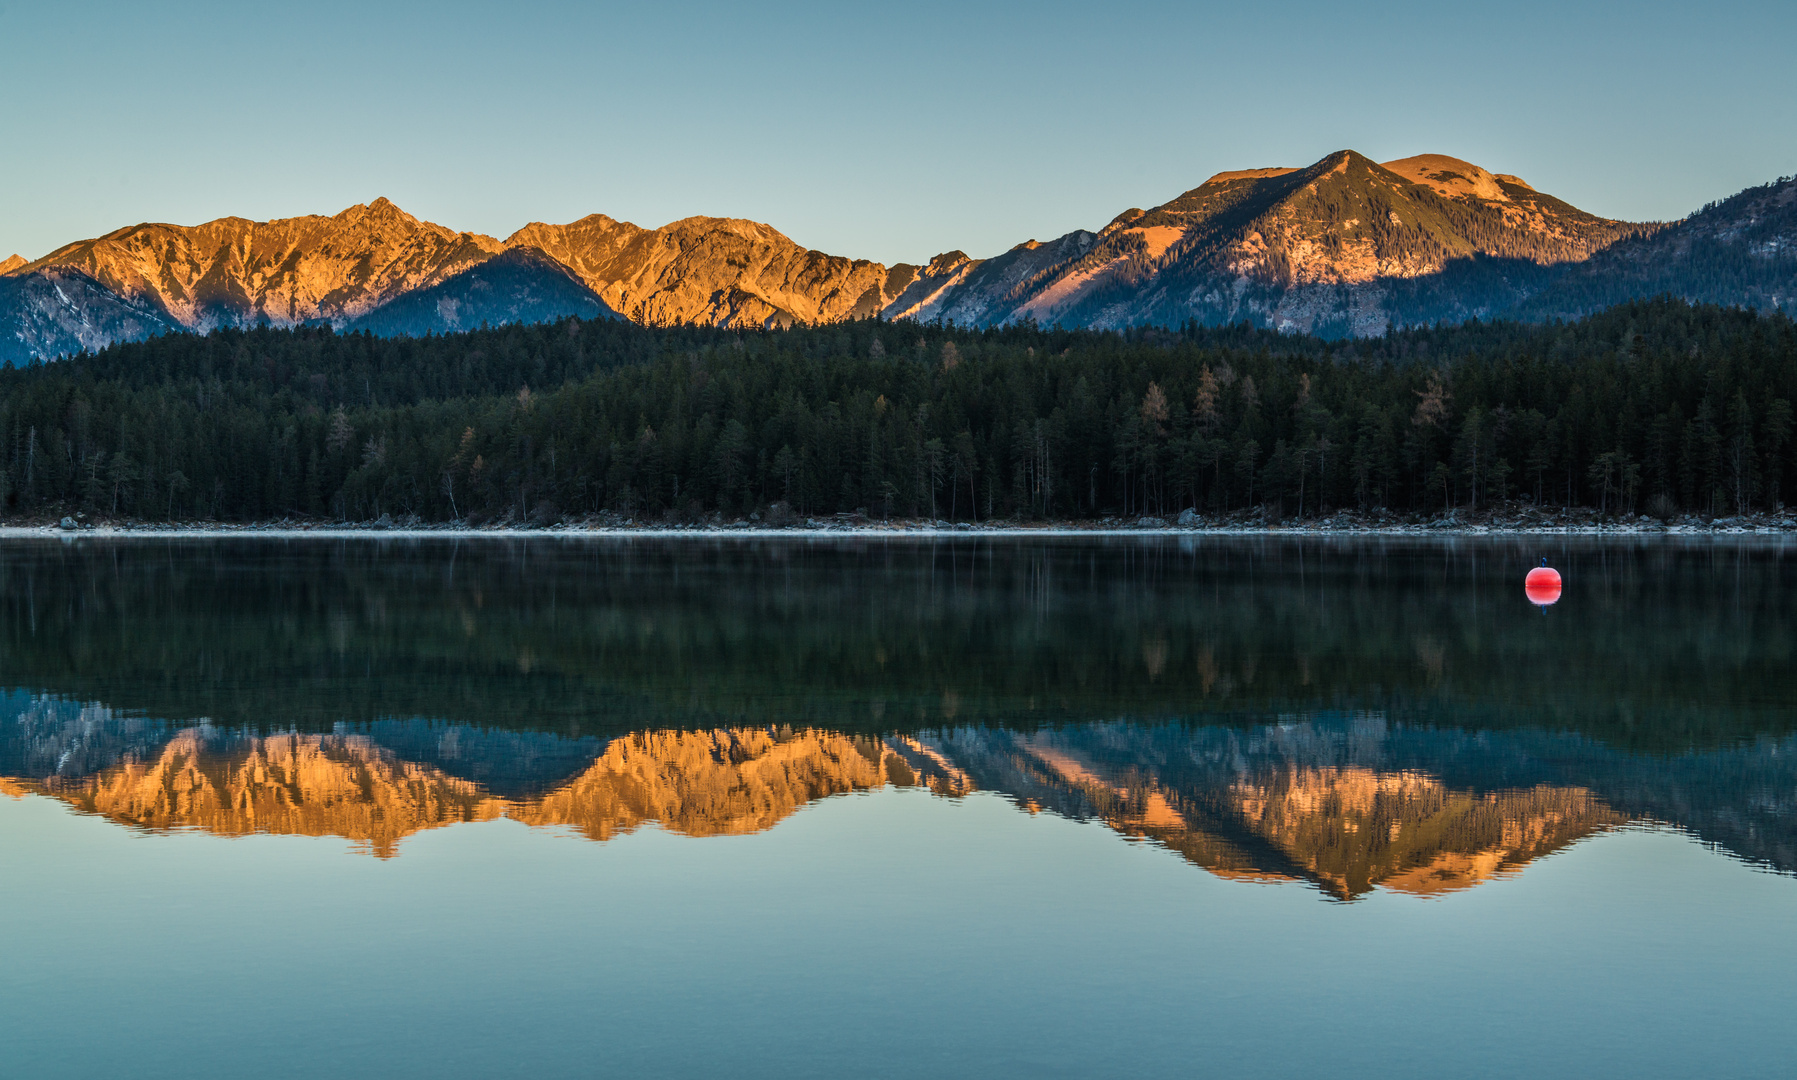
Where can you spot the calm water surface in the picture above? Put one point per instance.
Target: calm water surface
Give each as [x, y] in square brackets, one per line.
[993, 807]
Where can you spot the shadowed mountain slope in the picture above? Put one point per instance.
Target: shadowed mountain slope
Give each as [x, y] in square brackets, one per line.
[1740, 251]
[55, 311]
[521, 285]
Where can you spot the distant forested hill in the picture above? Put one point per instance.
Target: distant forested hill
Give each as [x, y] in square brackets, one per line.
[1655, 404]
[1740, 251]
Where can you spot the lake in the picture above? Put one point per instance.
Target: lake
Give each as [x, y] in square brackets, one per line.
[986, 806]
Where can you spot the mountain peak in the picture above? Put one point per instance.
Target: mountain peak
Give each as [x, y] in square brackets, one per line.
[381, 209]
[946, 263]
[700, 225]
[12, 264]
[1325, 248]
[1246, 174]
[1450, 177]
[591, 221]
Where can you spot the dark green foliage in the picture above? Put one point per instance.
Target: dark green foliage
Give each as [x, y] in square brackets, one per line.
[1671, 646]
[1736, 251]
[560, 420]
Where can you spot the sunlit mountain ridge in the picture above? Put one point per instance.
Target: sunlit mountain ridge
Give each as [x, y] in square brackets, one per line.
[1344, 247]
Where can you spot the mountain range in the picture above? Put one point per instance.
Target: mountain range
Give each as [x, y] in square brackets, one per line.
[1345, 247]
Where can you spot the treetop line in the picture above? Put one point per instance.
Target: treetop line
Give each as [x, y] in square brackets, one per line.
[1655, 405]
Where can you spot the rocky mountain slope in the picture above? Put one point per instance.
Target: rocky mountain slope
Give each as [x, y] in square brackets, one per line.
[57, 311]
[1346, 246]
[1316, 250]
[352, 269]
[233, 272]
[720, 271]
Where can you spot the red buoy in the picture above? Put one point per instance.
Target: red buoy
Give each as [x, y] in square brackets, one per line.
[1542, 585]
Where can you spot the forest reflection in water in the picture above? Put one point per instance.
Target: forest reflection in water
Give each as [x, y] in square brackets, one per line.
[1357, 715]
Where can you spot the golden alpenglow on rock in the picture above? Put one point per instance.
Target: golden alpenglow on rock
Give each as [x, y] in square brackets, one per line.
[715, 271]
[709, 783]
[1326, 248]
[1299, 249]
[304, 785]
[1347, 830]
[236, 272]
[705, 783]
[1351, 829]
[233, 271]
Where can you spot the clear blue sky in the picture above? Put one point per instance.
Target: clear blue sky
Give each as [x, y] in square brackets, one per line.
[891, 131]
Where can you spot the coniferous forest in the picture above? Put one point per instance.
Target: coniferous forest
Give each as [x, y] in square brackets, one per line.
[1654, 407]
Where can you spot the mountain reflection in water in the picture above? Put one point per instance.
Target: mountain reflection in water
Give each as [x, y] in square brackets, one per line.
[1352, 714]
[1348, 803]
